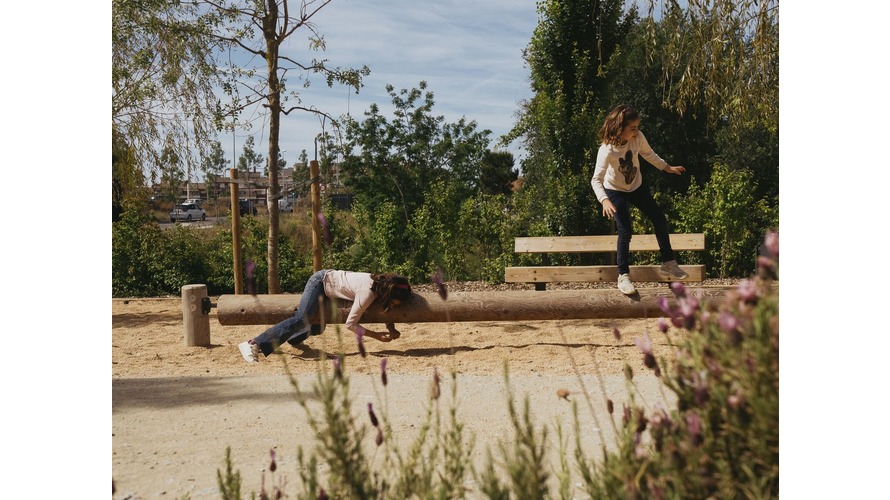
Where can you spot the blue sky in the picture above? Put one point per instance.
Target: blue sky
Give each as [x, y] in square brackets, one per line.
[469, 53]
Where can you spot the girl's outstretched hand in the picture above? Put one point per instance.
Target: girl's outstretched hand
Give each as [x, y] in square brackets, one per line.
[675, 169]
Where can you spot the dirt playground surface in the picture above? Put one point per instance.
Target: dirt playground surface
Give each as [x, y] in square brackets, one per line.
[175, 409]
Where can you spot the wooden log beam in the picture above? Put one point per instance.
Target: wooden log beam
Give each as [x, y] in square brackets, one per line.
[469, 306]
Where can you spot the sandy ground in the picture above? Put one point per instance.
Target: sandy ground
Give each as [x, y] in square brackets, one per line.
[175, 409]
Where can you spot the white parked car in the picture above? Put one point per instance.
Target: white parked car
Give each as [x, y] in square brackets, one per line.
[187, 212]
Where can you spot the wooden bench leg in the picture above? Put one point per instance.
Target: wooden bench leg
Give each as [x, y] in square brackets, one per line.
[540, 286]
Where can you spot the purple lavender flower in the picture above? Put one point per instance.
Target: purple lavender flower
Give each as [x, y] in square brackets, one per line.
[700, 387]
[272, 465]
[359, 337]
[616, 333]
[326, 230]
[655, 490]
[322, 495]
[379, 439]
[383, 371]
[664, 305]
[693, 425]
[663, 325]
[610, 406]
[338, 368]
[734, 401]
[660, 418]
[642, 421]
[625, 415]
[747, 291]
[438, 280]
[374, 421]
[677, 321]
[249, 268]
[764, 262]
[687, 308]
[679, 288]
[729, 323]
[644, 343]
[771, 242]
[436, 391]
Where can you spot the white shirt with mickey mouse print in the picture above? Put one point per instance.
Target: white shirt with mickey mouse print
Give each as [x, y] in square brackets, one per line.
[618, 167]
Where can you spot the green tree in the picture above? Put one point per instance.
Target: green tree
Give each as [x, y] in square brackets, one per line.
[496, 172]
[250, 160]
[753, 147]
[163, 77]
[261, 29]
[301, 175]
[723, 54]
[172, 171]
[410, 176]
[568, 56]
[214, 164]
[400, 160]
[127, 181]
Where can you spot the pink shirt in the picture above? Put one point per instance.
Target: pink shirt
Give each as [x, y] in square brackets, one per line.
[348, 285]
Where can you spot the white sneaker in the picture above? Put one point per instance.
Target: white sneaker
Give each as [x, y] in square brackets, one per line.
[672, 270]
[625, 285]
[251, 352]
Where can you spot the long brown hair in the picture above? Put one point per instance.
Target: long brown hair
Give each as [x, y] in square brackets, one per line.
[615, 122]
[390, 286]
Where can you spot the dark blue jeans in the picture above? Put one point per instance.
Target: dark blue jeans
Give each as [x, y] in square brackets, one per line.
[296, 329]
[642, 199]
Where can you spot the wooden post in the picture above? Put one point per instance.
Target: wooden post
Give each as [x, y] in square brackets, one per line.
[196, 315]
[234, 191]
[316, 209]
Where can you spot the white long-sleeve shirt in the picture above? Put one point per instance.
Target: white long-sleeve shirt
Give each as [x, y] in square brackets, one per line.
[348, 285]
[618, 167]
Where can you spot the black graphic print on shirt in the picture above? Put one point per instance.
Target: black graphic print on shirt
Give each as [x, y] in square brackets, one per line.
[627, 168]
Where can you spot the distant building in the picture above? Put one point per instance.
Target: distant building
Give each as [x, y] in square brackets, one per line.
[253, 186]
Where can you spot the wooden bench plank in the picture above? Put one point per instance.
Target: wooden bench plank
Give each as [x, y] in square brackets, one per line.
[556, 274]
[604, 243]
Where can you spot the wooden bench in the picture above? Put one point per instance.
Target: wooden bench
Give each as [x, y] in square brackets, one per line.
[541, 275]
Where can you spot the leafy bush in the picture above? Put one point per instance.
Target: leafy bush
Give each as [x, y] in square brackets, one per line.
[731, 218]
[148, 261]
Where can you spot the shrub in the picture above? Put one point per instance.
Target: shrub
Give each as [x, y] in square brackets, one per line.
[722, 439]
[731, 218]
[147, 261]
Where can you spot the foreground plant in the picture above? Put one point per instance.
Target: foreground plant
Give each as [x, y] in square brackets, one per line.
[722, 439]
